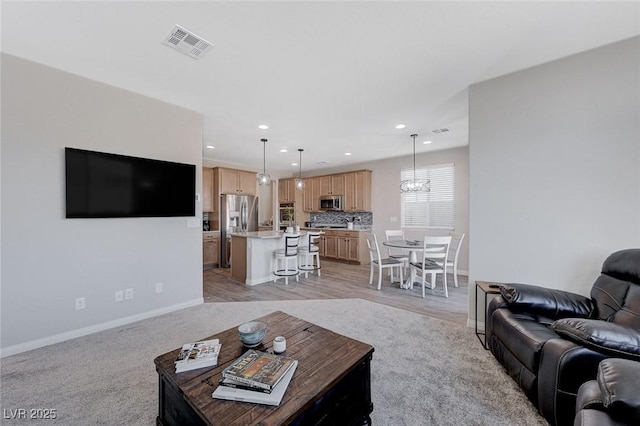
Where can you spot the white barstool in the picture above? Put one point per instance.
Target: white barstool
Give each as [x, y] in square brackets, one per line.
[286, 264]
[309, 255]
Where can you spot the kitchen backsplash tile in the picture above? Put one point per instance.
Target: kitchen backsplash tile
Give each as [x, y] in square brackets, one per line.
[333, 218]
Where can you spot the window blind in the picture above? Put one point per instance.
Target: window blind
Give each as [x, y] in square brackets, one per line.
[433, 209]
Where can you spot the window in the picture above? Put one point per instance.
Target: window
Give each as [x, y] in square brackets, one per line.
[433, 209]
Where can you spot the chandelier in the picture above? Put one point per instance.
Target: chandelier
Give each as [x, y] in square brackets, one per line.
[299, 180]
[415, 185]
[263, 178]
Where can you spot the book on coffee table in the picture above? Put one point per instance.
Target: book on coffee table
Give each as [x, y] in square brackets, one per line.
[258, 369]
[257, 397]
[197, 355]
[239, 385]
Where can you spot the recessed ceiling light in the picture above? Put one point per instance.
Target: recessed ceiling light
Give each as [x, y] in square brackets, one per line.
[347, 153]
[283, 150]
[294, 164]
[400, 126]
[263, 127]
[210, 147]
[426, 142]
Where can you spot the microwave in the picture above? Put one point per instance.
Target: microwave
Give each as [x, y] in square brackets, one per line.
[331, 203]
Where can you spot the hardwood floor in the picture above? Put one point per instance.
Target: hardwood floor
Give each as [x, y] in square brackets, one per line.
[341, 281]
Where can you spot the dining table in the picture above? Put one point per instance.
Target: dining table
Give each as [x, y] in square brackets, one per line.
[413, 247]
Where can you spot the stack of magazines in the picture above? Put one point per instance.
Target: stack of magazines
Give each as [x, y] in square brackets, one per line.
[257, 377]
[198, 355]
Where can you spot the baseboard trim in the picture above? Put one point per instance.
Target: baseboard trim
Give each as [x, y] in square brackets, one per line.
[472, 324]
[57, 338]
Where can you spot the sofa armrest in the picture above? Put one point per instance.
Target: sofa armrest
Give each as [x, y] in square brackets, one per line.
[589, 396]
[618, 380]
[595, 418]
[547, 302]
[601, 336]
[564, 367]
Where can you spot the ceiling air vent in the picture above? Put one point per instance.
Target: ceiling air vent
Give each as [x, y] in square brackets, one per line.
[440, 131]
[187, 42]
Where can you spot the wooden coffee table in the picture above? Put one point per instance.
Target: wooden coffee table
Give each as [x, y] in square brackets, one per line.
[331, 385]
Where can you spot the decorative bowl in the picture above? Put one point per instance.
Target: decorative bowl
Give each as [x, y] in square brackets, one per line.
[252, 333]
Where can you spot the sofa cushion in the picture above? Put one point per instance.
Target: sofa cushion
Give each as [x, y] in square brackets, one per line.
[601, 336]
[623, 265]
[524, 335]
[616, 293]
[548, 302]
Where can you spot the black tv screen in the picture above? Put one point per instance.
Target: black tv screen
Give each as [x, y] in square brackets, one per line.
[100, 185]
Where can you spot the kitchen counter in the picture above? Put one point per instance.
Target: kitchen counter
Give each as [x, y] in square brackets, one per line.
[358, 228]
[258, 234]
[252, 255]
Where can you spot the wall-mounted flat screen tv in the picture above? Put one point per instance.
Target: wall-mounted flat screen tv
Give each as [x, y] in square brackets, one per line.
[100, 185]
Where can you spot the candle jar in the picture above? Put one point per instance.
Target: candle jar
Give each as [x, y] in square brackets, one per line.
[279, 345]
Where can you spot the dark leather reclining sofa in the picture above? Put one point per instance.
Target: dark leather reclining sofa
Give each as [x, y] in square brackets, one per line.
[551, 342]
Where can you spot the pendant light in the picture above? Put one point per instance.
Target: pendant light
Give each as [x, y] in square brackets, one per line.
[263, 178]
[415, 185]
[300, 181]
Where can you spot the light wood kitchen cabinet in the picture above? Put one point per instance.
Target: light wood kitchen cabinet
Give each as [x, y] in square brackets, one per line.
[207, 190]
[322, 245]
[233, 181]
[349, 246]
[329, 245]
[287, 190]
[311, 195]
[357, 191]
[331, 185]
[210, 245]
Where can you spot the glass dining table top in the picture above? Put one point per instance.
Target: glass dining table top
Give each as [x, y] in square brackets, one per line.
[404, 243]
[412, 246]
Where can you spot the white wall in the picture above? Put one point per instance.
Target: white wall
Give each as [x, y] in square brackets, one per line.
[555, 169]
[265, 202]
[49, 261]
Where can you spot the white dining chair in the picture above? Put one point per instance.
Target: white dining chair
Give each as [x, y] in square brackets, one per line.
[376, 260]
[454, 254]
[396, 253]
[435, 256]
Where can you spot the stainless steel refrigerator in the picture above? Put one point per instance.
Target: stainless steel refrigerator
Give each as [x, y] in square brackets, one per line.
[238, 213]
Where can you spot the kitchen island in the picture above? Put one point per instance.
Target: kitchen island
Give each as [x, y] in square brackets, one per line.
[252, 255]
[343, 244]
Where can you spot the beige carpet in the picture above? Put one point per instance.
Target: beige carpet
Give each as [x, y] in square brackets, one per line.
[424, 371]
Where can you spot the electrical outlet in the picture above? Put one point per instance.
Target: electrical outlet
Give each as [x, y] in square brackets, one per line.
[81, 303]
[159, 288]
[128, 294]
[194, 223]
[119, 296]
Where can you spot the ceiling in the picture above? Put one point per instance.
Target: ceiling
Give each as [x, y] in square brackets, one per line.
[328, 77]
